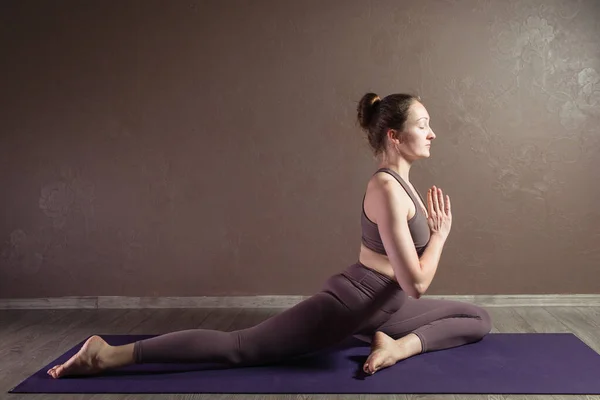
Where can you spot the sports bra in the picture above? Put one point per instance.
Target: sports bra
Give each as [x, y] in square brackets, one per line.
[419, 229]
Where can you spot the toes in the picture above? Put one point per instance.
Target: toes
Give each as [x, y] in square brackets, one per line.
[373, 364]
[69, 365]
[367, 365]
[369, 368]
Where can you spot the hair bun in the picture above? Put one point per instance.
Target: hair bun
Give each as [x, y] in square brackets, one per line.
[367, 108]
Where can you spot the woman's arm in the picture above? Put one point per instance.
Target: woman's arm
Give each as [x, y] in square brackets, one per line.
[429, 261]
[414, 275]
[440, 222]
[391, 215]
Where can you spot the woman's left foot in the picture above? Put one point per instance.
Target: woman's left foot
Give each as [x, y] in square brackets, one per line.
[385, 352]
[87, 361]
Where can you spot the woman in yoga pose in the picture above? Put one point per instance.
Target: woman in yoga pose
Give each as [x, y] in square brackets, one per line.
[377, 299]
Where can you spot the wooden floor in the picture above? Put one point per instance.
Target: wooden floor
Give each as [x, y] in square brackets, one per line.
[30, 339]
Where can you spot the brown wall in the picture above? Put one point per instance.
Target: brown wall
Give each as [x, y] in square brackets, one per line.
[179, 148]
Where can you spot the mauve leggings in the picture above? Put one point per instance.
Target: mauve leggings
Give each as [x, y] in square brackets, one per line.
[358, 301]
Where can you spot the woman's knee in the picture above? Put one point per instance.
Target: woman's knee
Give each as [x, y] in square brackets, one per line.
[486, 320]
[483, 317]
[251, 351]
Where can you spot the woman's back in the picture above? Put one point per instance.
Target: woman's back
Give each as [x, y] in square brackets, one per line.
[373, 254]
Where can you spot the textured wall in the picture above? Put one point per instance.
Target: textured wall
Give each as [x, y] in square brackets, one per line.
[154, 148]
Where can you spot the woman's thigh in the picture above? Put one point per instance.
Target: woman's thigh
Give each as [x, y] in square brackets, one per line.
[415, 314]
[322, 320]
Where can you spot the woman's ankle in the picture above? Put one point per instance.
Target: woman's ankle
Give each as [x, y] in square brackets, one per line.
[410, 344]
[117, 356]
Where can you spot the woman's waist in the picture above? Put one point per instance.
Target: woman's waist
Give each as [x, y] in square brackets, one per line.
[379, 263]
[362, 273]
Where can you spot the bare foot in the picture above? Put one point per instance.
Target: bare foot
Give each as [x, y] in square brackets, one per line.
[385, 352]
[87, 361]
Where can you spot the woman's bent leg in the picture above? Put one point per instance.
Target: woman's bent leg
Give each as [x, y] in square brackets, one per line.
[439, 324]
[424, 325]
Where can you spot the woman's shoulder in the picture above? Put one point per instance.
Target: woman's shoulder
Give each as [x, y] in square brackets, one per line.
[380, 179]
[384, 190]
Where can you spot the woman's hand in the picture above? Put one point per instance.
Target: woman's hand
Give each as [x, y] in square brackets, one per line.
[440, 213]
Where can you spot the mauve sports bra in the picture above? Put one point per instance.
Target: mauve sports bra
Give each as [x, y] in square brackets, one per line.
[417, 225]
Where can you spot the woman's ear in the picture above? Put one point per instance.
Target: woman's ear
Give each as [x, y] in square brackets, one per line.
[392, 135]
[395, 136]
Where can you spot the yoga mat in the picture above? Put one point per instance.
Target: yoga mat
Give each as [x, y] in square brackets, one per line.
[501, 363]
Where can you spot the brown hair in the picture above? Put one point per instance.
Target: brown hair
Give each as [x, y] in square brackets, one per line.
[376, 116]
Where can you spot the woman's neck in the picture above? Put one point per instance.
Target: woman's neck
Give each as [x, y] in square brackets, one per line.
[399, 165]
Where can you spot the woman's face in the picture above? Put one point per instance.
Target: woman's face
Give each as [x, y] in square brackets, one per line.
[415, 140]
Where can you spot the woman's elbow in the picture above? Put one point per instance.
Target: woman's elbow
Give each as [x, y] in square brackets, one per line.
[413, 290]
[418, 291]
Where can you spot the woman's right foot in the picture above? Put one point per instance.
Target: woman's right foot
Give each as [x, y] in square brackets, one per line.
[385, 352]
[89, 360]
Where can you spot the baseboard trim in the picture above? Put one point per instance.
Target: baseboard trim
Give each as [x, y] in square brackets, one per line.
[104, 302]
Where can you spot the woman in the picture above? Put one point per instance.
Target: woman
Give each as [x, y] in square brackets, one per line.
[402, 242]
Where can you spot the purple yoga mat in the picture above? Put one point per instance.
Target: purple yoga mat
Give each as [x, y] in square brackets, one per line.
[501, 363]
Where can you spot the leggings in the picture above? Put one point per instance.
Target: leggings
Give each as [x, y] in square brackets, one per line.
[357, 302]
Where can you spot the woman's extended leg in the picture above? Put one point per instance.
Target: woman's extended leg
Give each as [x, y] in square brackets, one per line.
[315, 323]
